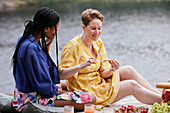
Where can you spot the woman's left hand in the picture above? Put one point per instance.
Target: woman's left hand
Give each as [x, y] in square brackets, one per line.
[114, 65]
[49, 41]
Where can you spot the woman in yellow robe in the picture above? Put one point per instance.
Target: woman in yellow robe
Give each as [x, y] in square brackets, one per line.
[89, 78]
[84, 67]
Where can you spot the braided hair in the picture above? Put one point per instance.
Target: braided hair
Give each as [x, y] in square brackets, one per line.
[43, 18]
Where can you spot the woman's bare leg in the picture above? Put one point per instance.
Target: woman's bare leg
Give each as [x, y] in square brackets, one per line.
[131, 87]
[129, 73]
[77, 107]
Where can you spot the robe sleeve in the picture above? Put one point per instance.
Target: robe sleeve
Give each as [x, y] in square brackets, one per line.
[69, 56]
[103, 55]
[38, 73]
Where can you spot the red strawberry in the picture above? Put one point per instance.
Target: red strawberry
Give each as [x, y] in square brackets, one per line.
[123, 109]
[145, 111]
[130, 111]
[137, 109]
[123, 106]
[129, 105]
[142, 111]
[129, 108]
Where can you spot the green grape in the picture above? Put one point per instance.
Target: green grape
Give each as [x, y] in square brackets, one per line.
[160, 108]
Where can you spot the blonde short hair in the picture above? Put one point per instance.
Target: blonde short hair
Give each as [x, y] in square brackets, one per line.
[89, 14]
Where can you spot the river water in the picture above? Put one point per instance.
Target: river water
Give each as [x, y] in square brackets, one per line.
[136, 34]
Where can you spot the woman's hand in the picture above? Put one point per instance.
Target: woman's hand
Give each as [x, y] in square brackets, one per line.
[108, 72]
[114, 65]
[88, 62]
[69, 72]
[49, 41]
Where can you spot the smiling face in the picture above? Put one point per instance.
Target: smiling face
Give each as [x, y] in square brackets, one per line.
[93, 30]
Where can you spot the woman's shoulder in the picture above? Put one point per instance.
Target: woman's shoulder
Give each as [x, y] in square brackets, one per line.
[30, 47]
[73, 42]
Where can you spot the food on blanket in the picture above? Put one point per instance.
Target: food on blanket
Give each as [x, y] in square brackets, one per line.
[166, 95]
[168, 102]
[163, 85]
[106, 59]
[132, 109]
[116, 111]
[89, 110]
[160, 108]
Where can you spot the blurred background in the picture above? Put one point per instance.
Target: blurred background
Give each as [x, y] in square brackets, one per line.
[135, 32]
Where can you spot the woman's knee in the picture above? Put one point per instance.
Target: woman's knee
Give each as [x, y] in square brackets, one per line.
[126, 72]
[134, 84]
[129, 69]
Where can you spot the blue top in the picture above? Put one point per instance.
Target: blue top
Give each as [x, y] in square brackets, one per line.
[35, 72]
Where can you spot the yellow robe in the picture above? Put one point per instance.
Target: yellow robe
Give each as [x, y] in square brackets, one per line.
[89, 79]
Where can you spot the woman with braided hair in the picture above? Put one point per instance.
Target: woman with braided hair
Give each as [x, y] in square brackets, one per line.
[36, 76]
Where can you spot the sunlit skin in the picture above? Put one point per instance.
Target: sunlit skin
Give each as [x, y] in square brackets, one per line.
[92, 31]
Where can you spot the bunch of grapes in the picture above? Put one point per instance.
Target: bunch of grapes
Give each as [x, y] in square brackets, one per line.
[160, 108]
[132, 109]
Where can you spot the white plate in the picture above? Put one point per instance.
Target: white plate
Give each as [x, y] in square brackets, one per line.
[107, 59]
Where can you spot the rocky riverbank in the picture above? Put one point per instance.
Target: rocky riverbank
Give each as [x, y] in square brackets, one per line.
[6, 5]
